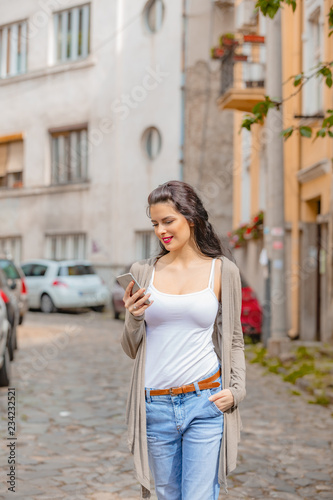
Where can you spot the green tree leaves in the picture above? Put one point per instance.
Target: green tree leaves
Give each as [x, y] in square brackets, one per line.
[322, 70]
[270, 7]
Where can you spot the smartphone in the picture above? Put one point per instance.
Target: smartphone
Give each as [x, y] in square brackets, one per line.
[125, 279]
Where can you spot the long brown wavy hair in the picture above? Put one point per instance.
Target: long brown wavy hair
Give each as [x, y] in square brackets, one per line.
[185, 200]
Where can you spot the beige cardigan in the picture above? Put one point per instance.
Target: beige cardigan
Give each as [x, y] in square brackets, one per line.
[229, 346]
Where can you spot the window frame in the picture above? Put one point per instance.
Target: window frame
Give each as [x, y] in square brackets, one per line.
[146, 11]
[145, 139]
[69, 27]
[313, 14]
[13, 62]
[74, 161]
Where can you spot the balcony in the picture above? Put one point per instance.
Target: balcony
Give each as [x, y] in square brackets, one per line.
[224, 3]
[242, 82]
[246, 16]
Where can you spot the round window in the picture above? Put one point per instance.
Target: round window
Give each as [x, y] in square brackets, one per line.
[154, 14]
[152, 142]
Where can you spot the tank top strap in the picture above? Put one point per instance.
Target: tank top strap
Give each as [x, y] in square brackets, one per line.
[152, 276]
[212, 275]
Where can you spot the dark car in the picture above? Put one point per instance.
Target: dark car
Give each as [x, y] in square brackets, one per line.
[251, 316]
[117, 294]
[13, 312]
[17, 283]
[5, 368]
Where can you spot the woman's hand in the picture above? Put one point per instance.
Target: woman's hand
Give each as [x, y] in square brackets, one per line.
[223, 399]
[136, 303]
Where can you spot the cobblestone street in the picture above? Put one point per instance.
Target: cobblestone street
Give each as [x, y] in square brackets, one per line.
[71, 377]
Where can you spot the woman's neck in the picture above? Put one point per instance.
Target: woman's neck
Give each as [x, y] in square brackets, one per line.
[185, 257]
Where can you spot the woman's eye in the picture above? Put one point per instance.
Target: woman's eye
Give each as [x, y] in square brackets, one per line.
[154, 225]
[169, 221]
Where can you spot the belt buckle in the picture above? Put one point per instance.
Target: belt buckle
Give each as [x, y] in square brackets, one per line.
[171, 391]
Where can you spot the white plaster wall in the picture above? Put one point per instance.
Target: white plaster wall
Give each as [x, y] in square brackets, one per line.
[120, 176]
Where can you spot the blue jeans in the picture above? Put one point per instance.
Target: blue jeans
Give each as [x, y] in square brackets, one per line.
[184, 436]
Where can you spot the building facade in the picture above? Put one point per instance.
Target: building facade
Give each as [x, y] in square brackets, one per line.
[307, 165]
[90, 123]
[93, 117]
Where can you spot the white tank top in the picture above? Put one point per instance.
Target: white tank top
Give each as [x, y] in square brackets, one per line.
[179, 336]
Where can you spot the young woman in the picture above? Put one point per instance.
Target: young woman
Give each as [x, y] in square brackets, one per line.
[189, 370]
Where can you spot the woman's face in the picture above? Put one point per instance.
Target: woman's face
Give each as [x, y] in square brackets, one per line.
[170, 226]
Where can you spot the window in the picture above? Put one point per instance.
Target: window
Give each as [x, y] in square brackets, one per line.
[38, 270]
[154, 14]
[11, 164]
[246, 16]
[9, 269]
[72, 34]
[10, 247]
[69, 156]
[77, 270]
[27, 269]
[152, 142]
[146, 244]
[13, 49]
[66, 246]
[313, 55]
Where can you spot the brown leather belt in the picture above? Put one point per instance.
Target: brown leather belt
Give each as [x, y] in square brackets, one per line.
[207, 383]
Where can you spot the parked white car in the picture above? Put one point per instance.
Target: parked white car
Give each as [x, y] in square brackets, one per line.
[64, 284]
[5, 368]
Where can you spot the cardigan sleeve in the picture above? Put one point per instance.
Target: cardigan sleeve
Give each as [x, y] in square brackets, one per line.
[132, 333]
[238, 370]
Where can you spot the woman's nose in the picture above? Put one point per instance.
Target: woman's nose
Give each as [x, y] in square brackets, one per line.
[161, 231]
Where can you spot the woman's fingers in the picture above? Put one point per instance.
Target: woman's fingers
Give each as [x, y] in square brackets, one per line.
[127, 295]
[128, 290]
[139, 310]
[136, 303]
[223, 399]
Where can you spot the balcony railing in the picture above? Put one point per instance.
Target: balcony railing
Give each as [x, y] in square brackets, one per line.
[253, 74]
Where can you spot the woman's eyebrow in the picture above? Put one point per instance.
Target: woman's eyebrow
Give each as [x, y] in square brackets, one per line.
[164, 218]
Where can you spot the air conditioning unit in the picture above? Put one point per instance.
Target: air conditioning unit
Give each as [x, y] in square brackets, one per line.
[246, 17]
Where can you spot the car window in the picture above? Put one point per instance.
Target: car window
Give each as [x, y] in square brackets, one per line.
[27, 268]
[38, 270]
[9, 269]
[77, 270]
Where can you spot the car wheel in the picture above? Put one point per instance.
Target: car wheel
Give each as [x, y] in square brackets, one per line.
[15, 341]
[98, 309]
[5, 370]
[21, 320]
[11, 343]
[116, 315]
[46, 304]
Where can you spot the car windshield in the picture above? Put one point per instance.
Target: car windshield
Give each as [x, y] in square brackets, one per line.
[77, 270]
[9, 269]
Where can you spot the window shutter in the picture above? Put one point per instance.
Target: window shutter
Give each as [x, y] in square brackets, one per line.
[15, 157]
[3, 159]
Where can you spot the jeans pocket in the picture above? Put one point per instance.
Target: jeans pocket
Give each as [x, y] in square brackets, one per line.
[211, 392]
